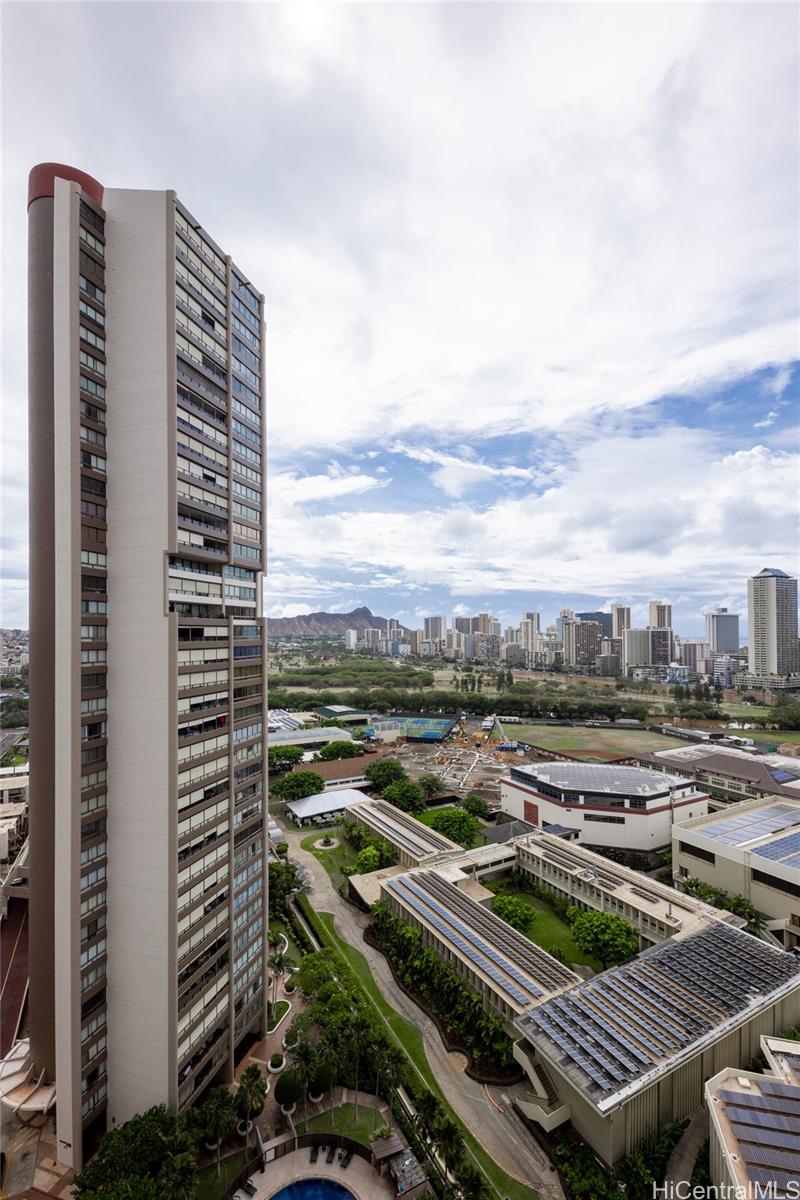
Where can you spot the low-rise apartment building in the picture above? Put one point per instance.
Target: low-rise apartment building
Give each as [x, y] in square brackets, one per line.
[627, 808]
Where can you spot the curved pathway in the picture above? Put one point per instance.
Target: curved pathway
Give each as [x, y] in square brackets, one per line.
[486, 1111]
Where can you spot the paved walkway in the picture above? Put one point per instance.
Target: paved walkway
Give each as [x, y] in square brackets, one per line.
[682, 1160]
[486, 1111]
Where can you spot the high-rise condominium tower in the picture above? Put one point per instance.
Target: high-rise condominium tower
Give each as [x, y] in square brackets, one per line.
[620, 619]
[660, 615]
[722, 631]
[435, 629]
[772, 623]
[148, 843]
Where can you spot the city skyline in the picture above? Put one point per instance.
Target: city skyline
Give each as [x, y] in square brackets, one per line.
[591, 404]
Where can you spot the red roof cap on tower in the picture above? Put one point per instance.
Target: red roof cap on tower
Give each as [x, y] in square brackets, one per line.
[41, 181]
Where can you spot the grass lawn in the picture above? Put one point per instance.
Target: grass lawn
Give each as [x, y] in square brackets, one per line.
[549, 931]
[771, 737]
[332, 860]
[409, 1038]
[294, 950]
[281, 1008]
[210, 1186]
[342, 1120]
[598, 744]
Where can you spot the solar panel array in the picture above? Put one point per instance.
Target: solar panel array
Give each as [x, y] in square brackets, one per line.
[611, 1030]
[574, 862]
[520, 971]
[757, 823]
[599, 778]
[767, 1129]
[404, 831]
[785, 851]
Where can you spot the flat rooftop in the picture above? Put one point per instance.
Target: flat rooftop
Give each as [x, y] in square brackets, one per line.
[305, 737]
[766, 828]
[616, 1033]
[600, 779]
[402, 830]
[758, 1122]
[777, 773]
[515, 969]
[676, 910]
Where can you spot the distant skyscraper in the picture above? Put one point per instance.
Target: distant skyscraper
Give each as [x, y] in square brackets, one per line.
[581, 642]
[772, 623]
[462, 624]
[147, 832]
[620, 619]
[435, 629]
[694, 651]
[566, 614]
[660, 615]
[722, 631]
[635, 649]
[604, 619]
[350, 639]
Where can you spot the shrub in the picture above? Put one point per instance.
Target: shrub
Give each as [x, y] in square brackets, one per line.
[289, 1088]
[276, 1060]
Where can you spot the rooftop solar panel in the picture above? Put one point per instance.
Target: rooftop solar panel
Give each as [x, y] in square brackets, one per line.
[661, 1003]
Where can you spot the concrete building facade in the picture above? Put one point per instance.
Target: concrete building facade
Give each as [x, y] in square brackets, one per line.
[148, 843]
[772, 623]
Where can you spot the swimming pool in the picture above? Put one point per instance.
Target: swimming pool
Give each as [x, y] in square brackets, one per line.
[314, 1189]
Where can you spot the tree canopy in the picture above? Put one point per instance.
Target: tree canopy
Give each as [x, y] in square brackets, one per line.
[605, 936]
[406, 795]
[385, 771]
[457, 825]
[336, 750]
[298, 785]
[514, 911]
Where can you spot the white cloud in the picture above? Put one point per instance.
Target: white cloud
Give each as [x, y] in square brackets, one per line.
[768, 420]
[658, 515]
[469, 221]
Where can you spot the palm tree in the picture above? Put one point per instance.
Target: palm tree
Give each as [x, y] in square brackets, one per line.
[250, 1095]
[274, 940]
[305, 1060]
[449, 1141]
[429, 1113]
[360, 1027]
[278, 964]
[219, 1117]
[178, 1171]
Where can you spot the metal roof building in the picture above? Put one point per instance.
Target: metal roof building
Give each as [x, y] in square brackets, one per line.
[627, 1052]
[755, 1125]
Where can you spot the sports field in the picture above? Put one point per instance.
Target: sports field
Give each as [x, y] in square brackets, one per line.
[592, 744]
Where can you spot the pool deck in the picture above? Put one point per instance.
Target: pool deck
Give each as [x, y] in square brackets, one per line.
[360, 1178]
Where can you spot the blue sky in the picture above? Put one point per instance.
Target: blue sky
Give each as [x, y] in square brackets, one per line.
[531, 276]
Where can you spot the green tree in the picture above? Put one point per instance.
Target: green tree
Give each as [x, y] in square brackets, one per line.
[385, 771]
[514, 912]
[475, 805]
[281, 758]
[298, 785]
[283, 883]
[605, 936]
[430, 783]
[368, 859]
[405, 795]
[218, 1116]
[250, 1095]
[457, 825]
[336, 750]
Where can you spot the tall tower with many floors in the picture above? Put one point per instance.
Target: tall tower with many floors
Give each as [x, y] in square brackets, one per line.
[147, 665]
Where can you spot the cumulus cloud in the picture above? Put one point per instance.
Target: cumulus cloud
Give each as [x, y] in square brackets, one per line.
[469, 221]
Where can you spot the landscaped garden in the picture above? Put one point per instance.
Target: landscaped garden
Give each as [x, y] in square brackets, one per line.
[548, 930]
[478, 1171]
[362, 1126]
